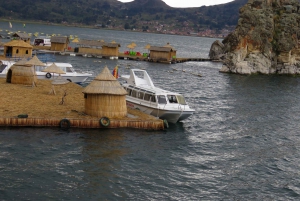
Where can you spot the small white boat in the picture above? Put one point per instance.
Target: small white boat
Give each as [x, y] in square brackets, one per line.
[71, 75]
[144, 96]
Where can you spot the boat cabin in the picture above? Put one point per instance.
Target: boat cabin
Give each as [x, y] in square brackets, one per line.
[161, 97]
[42, 41]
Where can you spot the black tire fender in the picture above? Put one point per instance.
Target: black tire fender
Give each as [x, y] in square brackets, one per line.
[48, 75]
[104, 121]
[65, 124]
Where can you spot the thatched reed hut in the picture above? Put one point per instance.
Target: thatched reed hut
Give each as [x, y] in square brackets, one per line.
[111, 49]
[17, 48]
[90, 47]
[105, 97]
[21, 36]
[165, 53]
[59, 43]
[22, 73]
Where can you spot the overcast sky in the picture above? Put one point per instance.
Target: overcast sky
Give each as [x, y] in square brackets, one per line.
[190, 3]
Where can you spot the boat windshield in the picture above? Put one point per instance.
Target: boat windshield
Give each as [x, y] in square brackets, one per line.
[2, 67]
[181, 99]
[172, 99]
[162, 99]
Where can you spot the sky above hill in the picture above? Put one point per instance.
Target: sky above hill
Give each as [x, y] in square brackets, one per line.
[189, 3]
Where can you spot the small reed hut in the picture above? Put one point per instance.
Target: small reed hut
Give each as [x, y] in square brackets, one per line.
[17, 48]
[90, 47]
[59, 43]
[21, 36]
[105, 97]
[21, 73]
[165, 53]
[111, 49]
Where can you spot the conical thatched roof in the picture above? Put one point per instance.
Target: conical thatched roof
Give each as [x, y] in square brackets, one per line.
[54, 69]
[130, 46]
[75, 40]
[105, 83]
[35, 61]
[22, 62]
[147, 46]
[17, 43]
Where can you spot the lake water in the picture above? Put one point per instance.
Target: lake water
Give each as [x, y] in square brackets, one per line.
[242, 143]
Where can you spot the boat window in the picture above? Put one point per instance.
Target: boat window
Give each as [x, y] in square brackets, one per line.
[161, 99]
[129, 91]
[140, 95]
[39, 68]
[134, 93]
[69, 70]
[181, 100]
[172, 99]
[153, 99]
[2, 67]
[147, 97]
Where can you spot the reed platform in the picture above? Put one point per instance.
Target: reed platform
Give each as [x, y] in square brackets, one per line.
[30, 106]
[121, 56]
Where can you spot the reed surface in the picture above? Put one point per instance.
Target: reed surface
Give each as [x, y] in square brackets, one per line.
[36, 102]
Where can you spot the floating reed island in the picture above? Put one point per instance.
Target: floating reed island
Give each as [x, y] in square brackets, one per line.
[101, 104]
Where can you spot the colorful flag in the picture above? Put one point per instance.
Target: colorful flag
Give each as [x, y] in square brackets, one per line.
[115, 72]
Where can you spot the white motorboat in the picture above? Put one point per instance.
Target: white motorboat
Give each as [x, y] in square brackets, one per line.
[71, 75]
[144, 96]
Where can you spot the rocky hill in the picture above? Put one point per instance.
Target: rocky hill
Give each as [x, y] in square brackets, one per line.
[266, 39]
[139, 14]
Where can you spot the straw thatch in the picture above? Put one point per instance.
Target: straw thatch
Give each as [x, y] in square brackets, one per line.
[53, 68]
[75, 40]
[104, 96]
[17, 43]
[35, 61]
[147, 46]
[130, 46]
[21, 73]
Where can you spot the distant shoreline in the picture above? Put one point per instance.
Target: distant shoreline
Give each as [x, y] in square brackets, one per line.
[93, 27]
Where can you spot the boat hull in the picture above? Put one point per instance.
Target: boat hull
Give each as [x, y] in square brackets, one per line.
[172, 116]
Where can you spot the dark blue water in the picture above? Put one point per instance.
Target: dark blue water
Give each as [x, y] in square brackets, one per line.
[242, 143]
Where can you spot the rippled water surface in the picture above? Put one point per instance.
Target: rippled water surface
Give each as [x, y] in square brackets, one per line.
[242, 143]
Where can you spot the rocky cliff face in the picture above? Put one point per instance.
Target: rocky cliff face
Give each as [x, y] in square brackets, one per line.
[266, 39]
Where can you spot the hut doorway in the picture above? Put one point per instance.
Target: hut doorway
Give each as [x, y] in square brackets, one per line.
[9, 51]
[8, 76]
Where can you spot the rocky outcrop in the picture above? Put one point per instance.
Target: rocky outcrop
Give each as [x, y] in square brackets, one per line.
[266, 39]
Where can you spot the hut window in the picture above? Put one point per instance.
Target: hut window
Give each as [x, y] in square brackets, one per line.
[26, 51]
[85, 95]
[134, 93]
[17, 51]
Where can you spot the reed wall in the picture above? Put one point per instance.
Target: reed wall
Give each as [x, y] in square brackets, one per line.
[110, 51]
[86, 50]
[103, 105]
[59, 46]
[23, 75]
